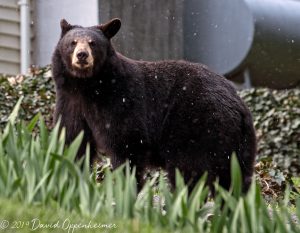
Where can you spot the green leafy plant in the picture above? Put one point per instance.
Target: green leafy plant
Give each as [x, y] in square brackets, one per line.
[37, 90]
[276, 116]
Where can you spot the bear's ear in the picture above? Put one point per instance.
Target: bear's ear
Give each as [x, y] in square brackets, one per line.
[65, 27]
[110, 28]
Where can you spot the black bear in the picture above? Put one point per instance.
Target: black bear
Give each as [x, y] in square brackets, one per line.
[168, 114]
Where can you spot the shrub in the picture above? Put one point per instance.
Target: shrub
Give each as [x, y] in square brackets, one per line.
[36, 88]
[276, 117]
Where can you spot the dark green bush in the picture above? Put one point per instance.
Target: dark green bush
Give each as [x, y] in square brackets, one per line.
[37, 88]
[276, 117]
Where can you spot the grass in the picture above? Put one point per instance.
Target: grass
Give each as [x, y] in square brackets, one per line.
[20, 217]
[39, 178]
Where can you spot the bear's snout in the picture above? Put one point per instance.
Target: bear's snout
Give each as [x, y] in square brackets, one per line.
[82, 57]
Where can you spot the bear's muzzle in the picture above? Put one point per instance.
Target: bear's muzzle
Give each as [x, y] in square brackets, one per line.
[82, 57]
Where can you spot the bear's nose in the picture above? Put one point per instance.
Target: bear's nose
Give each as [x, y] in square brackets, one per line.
[82, 55]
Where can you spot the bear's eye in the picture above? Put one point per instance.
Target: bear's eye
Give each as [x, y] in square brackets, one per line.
[74, 42]
[91, 42]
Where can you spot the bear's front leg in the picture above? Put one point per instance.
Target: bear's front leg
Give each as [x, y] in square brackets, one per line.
[72, 120]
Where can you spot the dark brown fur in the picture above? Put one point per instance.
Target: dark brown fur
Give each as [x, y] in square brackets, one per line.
[169, 114]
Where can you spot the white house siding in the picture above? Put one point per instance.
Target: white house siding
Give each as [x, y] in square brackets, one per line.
[9, 37]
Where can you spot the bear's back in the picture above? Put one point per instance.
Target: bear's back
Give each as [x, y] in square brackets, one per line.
[181, 95]
[188, 83]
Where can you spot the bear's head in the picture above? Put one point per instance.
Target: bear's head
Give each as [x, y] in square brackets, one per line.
[83, 50]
